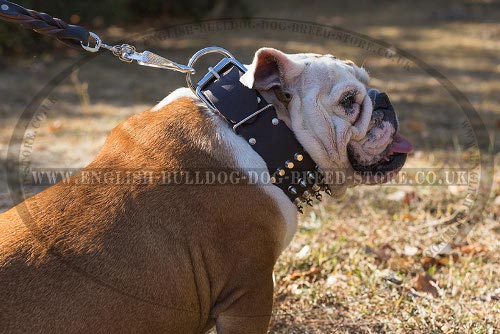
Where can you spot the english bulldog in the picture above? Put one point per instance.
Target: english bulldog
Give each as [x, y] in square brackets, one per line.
[156, 258]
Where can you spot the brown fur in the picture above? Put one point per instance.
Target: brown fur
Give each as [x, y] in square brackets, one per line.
[142, 258]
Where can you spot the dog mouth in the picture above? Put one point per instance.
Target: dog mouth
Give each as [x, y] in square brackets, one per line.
[392, 160]
[394, 156]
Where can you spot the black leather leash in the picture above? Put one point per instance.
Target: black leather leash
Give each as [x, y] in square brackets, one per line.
[71, 35]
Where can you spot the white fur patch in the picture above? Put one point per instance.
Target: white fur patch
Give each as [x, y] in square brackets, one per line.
[245, 156]
[176, 94]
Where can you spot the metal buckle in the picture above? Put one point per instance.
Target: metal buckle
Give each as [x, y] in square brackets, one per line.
[250, 117]
[213, 72]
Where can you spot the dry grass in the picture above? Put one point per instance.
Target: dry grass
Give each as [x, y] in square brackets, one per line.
[354, 263]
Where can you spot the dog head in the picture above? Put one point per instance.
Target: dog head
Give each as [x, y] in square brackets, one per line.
[325, 102]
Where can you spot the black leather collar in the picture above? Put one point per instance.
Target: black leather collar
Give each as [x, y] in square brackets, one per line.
[290, 166]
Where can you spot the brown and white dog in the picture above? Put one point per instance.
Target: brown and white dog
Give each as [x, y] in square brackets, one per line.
[152, 258]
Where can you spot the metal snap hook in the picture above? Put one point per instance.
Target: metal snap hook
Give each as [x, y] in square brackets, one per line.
[97, 45]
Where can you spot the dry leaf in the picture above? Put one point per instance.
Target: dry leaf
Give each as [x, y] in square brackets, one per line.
[304, 252]
[409, 197]
[474, 249]
[55, 126]
[407, 216]
[410, 250]
[386, 252]
[396, 196]
[429, 261]
[403, 264]
[311, 273]
[425, 283]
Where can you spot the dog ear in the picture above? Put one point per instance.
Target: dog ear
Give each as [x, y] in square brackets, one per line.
[271, 68]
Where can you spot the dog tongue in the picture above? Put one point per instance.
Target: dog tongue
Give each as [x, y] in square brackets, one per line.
[400, 145]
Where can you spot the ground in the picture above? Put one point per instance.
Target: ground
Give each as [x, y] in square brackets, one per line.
[358, 264]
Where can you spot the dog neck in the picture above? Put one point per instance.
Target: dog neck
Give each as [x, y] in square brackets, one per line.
[290, 167]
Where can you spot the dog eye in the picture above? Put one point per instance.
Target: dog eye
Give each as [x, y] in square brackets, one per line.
[347, 100]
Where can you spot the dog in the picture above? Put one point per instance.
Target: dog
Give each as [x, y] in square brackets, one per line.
[150, 258]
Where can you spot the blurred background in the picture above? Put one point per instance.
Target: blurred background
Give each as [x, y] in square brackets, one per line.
[358, 264]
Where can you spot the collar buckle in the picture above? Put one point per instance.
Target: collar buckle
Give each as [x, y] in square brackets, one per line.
[213, 72]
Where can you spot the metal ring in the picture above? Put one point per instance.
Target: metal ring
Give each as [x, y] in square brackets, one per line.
[198, 55]
[94, 48]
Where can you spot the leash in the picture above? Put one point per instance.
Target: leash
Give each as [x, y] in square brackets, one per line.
[290, 166]
[80, 38]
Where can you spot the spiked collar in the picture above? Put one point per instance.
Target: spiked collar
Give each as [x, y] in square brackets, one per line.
[290, 167]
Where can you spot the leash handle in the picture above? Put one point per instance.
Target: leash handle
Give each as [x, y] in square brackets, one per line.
[71, 35]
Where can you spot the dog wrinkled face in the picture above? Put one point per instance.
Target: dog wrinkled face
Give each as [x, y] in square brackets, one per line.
[326, 103]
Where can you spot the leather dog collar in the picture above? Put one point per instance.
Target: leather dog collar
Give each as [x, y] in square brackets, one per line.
[290, 167]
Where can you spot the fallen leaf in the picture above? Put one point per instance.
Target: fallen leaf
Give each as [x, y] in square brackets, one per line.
[386, 252]
[439, 261]
[311, 273]
[474, 249]
[55, 126]
[403, 264]
[338, 280]
[396, 196]
[407, 216]
[409, 197]
[410, 250]
[304, 252]
[425, 283]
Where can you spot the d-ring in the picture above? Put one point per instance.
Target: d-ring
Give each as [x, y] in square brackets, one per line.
[198, 55]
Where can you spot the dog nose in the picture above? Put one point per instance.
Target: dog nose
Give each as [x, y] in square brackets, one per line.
[380, 101]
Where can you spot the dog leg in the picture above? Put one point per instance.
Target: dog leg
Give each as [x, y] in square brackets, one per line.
[248, 314]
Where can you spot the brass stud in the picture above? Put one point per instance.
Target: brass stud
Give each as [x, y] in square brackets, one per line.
[319, 197]
[297, 201]
[315, 187]
[306, 194]
[275, 121]
[309, 202]
[328, 191]
[292, 190]
[298, 157]
[299, 209]
[289, 164]
[252, 141]
[280, 171]
[273, 180]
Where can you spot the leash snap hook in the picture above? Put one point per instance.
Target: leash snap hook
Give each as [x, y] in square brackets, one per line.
[96, 47]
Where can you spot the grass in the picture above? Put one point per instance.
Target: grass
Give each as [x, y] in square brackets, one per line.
[357, 264]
